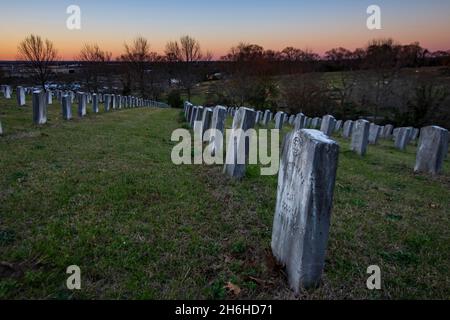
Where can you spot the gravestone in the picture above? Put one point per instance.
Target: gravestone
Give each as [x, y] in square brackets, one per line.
[338, 126]
[239, 145]
[315, 124]
[1, 128]
[95, 103]
[113, 101]
[218, 126]
[66, 105]
[49, 97]
[7, 92]
[433, 144]
[82, 99]
[387, 131]
[193, 115]
[328, 125]
[279, 120]
[348, 129]
[266, 118]
[39, 107]
[198, 117]
[302, 217]
[414, 134]
[299, 122]
[360, 137]
[20, 94]
[107, 103]
[206, 121]
[402, 138]
[395, 133]
[374, 133]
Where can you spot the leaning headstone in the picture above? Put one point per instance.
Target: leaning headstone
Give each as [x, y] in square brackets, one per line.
[82, 100]
[94, 103]
[328, 125]
[348, 129]
[218, 126]
[239, 145]
[20, 93]
[374, 133]
[431, 151]
[66, 105]
[402, 138]
[360, 137]
[302, 218]
[39, 107]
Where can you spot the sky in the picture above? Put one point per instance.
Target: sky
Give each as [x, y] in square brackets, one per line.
[219, 25]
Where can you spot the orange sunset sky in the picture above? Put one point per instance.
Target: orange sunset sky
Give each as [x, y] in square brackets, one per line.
[316, 25]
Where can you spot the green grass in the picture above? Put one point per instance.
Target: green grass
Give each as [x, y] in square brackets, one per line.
[102, 193]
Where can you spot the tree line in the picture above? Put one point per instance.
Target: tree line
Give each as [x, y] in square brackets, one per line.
[350, 82]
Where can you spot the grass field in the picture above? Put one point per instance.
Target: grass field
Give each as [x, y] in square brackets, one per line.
[103, 194]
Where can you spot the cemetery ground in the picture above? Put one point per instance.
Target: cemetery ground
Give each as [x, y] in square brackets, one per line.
[102, 193]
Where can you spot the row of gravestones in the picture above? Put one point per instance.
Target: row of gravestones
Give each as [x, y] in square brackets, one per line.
[307, 175]
[42, 99]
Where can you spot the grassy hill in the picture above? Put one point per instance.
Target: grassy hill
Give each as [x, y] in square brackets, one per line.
[103, 194]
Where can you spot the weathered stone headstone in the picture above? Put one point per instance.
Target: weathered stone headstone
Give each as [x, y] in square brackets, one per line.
[348, 129]
[82, 101]
[1, 128]
[20, 94]
[206, 120]
[198, 117]
[94, 103]
[431, 151]
[218, 124]
[266, 118]
[387, 131]
[328, 125]
[315, 124]
[279, 120]
[402, 138]
[414, 134]
[107, 102]
[49, 96]
[304, 204]
[239, 145]
[374, 133]
[299, 121]
[39, 107]
[360, 137]
[113, 101]
[193, 116]
[66, 105]
[7, 92]
[338, 126]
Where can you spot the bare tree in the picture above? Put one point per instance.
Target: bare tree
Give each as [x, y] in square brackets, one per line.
[343, 84]
[188, 52]
[138, 58]
[94, 60]
[40, 55]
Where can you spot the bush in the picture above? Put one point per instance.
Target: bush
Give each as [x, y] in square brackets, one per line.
[174, 99]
